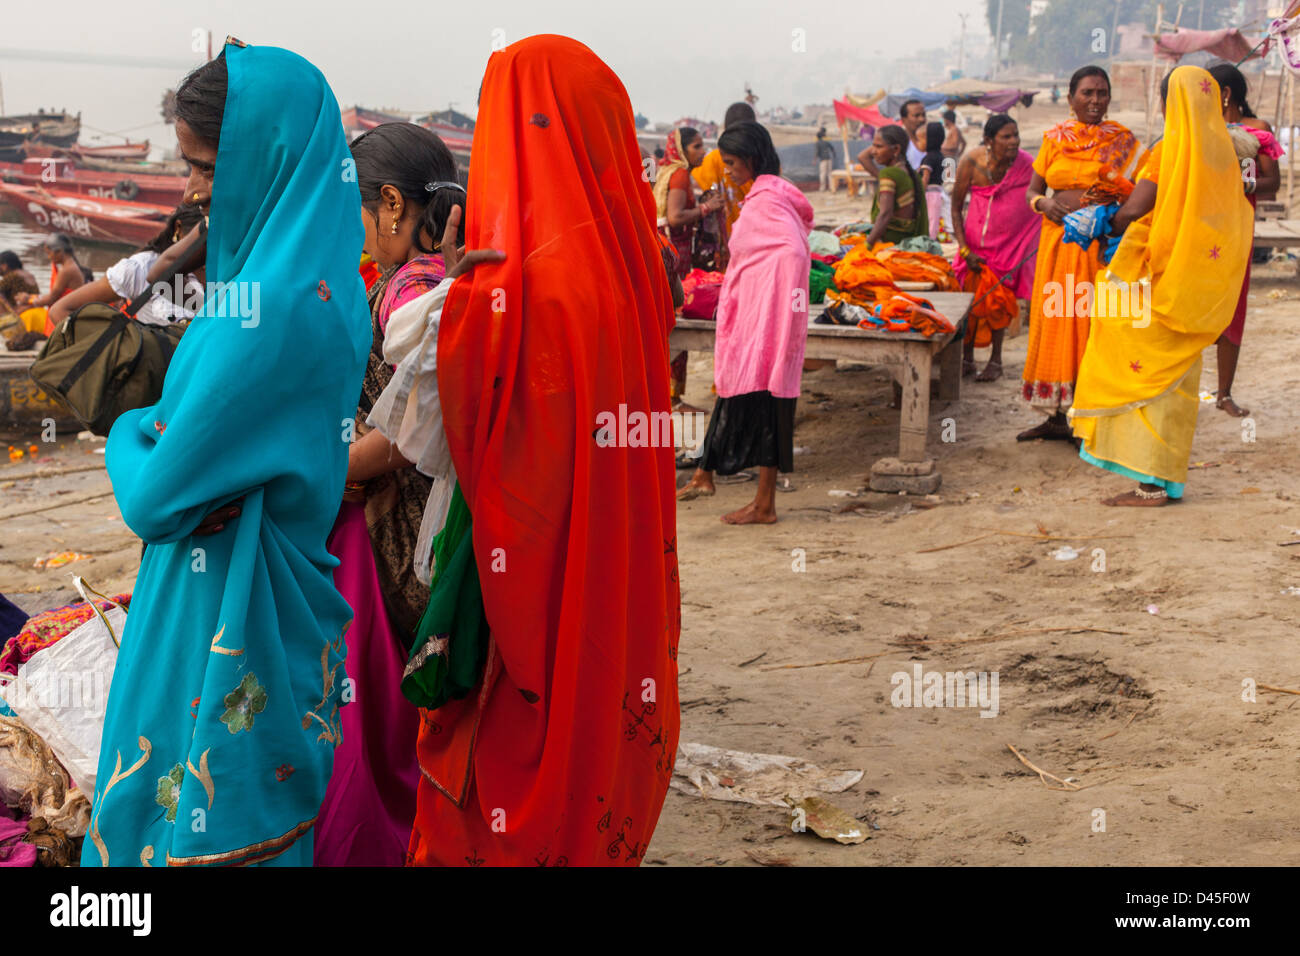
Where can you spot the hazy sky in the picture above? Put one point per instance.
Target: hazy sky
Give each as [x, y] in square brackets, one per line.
[676, 58]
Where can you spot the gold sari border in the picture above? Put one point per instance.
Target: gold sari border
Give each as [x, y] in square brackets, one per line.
[244, 856]
[1132, 406]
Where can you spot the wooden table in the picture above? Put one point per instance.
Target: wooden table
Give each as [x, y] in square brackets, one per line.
[909, 356]
[1278, 233]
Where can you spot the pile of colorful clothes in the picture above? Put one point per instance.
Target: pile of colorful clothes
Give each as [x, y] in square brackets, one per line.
[866, 293]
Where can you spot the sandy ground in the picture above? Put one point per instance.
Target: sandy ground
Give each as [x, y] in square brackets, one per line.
[1127, 681]
[1142, 709]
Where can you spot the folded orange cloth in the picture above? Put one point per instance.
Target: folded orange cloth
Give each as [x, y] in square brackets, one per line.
[918, 267]
[861, 278]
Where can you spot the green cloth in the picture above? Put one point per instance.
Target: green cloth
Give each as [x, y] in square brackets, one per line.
[904, 192]
[820, 278]
[451, 640]
[921, 244]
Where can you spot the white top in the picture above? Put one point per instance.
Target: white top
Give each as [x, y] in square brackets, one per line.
[409, 413]
[130, 276]
[914, 155]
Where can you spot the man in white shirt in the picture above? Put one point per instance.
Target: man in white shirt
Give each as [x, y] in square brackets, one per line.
[912, 118]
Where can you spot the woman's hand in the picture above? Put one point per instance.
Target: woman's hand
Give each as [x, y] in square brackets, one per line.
[457, 260]
[218, 519]
[972, 260]
[712, 204]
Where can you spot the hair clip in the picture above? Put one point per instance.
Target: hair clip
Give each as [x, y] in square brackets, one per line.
[434, 187]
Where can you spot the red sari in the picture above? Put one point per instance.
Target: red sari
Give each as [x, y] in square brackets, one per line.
[564, 752]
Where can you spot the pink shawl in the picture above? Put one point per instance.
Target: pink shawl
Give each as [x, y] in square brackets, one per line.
[763, 308]
[1002, 229]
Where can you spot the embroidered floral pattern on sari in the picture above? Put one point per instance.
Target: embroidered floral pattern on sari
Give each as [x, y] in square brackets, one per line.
[169, 792]
[243, 703]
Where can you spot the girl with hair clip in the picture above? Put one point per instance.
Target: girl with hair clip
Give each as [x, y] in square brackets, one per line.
[407, 179]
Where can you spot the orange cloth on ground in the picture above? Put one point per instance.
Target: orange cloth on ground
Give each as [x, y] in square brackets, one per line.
[861, 278]
[1074, 155]
[993, 307]
[918, 267]
[564, 753]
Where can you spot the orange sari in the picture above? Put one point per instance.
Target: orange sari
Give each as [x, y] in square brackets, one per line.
[563, 754]
[1074, 155]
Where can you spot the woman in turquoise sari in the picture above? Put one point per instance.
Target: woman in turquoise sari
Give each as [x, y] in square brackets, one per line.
[223, 713]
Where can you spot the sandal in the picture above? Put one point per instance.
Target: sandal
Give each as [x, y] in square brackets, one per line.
[736, 479]
[987, 376]
[1049, 430]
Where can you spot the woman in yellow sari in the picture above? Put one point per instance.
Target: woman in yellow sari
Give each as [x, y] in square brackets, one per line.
[1181, 264]
[1082, 160]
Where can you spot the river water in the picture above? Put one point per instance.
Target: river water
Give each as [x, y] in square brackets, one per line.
[28, 244]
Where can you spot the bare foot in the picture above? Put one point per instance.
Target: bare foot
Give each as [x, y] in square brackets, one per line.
[992, 372]
[749, 515]
[1228, 405]
[967, 368]
[695, 489]
[1055, 428]
[1132, 499]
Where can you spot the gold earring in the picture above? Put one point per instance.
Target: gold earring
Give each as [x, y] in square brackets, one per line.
[395, 227]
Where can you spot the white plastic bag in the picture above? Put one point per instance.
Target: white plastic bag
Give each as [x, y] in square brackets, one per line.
[61, 693]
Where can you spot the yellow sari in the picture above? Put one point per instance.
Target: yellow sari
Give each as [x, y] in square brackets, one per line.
[1169, 292]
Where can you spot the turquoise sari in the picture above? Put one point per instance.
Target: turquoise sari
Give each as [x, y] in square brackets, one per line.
[223, 713]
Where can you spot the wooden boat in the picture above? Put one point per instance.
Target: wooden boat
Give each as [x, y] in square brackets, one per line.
[64, 175]
[137, 151]
[166, 167]
[52, 129]
[23, 405]
[85, 218]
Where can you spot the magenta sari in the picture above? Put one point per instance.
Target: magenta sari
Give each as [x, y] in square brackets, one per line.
[1002, 229]
[369, 808]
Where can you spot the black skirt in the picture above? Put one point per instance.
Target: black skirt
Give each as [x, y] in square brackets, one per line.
[751, 430]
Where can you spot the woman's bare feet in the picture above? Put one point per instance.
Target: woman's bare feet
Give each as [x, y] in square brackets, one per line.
[750, 515]
[992, 372]
[967, 367]
[1055, 428]
[700, 486]
[1226, 403]
[1145, 496]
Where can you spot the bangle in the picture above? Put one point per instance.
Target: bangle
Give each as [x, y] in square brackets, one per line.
[963, 251]
[1033, 203]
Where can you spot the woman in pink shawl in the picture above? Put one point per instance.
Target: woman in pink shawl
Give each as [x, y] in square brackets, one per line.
[998, 233]
[762, 328]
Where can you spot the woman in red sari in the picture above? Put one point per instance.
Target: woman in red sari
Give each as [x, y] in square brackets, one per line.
[563, 752]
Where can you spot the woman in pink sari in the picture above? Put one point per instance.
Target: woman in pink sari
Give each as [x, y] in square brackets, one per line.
[1000, 233]
[762, 328]
[407, 179]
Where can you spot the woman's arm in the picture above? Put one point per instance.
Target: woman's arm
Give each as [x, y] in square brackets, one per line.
[61, 283]
[1140, 202]
[925, 176]
[373, 455]
[867, 163]
[960, 189]
[165, 267]
[1268, 176]
[98, 291]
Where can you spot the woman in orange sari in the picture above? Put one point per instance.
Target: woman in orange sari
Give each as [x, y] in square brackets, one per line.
[562, 752]
[1086, 155]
